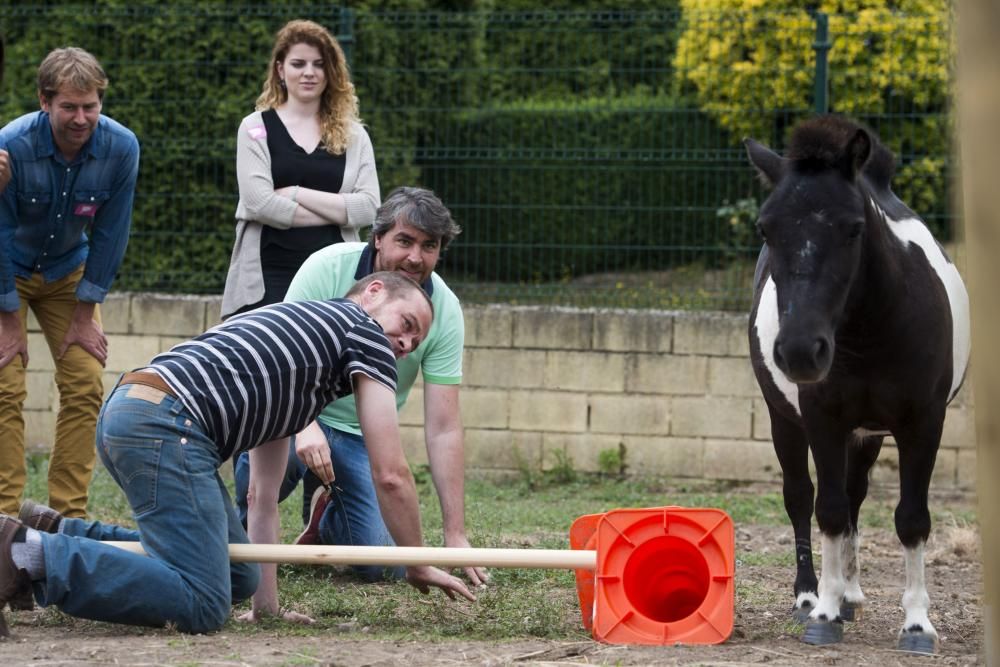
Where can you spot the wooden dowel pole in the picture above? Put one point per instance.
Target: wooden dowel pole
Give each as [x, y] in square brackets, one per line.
[566, 559]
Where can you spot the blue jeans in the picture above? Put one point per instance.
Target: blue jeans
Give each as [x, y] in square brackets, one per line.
[353, 517]
[168, 468]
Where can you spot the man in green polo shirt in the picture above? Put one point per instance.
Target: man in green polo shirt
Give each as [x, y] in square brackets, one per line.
[412, 228]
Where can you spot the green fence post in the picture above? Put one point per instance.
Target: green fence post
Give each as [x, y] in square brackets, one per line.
[821, 46]
[345, 33]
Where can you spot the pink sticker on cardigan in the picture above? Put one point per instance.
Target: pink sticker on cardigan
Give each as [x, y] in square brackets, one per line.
[86, 210]
[257, 132]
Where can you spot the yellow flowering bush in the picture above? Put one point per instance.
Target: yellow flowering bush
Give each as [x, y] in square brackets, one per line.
[750, 64]
[747, 59]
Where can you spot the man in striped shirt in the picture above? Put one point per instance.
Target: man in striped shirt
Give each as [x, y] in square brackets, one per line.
[166, 429]
[412, 229]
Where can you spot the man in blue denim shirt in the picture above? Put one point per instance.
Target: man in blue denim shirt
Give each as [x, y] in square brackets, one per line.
[64, 224]
[4, 157]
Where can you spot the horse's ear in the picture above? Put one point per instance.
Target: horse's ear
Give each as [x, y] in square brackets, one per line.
[859, 148]
[768, 163]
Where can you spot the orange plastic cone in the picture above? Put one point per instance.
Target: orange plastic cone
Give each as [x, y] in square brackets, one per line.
[664, 575]
[583, 535]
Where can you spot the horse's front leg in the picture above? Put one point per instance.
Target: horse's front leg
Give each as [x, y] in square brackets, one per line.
[861, 456]
[792, 450]
[918, 447]
[827, 442]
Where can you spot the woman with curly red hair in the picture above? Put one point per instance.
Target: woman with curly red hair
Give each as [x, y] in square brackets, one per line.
[305, 167]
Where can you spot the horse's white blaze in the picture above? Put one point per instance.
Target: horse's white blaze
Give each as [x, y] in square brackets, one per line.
[852, 569]
[911, 230]
[916, 602]
[766, 326]
[831, 582]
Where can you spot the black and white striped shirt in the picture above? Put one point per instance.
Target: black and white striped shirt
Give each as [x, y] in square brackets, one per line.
[268, 373]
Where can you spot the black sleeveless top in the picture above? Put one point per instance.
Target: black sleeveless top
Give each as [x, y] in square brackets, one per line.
[291, 165]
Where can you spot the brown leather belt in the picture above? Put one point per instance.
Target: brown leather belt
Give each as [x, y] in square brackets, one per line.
[148, 379]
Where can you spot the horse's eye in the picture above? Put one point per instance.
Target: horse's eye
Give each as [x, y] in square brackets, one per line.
[760, 230]
[855, 230]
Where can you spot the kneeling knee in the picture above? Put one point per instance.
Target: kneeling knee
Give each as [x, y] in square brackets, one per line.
[204, 624]
[210, 618]
[208, 612]
[245, 579]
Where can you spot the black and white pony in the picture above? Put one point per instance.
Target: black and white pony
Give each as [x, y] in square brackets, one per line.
[859, 329]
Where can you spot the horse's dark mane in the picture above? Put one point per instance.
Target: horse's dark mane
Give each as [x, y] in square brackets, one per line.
[881, 166]
[821, 143]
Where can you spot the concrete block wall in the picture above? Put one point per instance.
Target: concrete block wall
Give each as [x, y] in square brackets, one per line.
[672, 390]
[138, 327]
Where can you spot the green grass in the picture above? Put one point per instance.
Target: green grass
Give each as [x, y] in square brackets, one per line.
[512, 509]
[782, 558]
[528, 512]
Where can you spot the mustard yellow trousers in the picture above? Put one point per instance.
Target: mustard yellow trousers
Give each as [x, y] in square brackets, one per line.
[81, 392]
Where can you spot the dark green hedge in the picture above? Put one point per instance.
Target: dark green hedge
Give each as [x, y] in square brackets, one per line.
[181, 79]
[611, 184]
[556, 131]
[183, 76]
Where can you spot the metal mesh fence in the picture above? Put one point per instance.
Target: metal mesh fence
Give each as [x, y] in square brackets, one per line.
[592, 158]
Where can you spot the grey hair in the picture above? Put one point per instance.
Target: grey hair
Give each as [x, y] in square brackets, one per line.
[418, 207]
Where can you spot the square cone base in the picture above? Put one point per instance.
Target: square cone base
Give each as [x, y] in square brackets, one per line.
[664, 575]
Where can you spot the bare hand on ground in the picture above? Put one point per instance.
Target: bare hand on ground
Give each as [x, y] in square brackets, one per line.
[477, 576]
[285, 615]
[424, 576]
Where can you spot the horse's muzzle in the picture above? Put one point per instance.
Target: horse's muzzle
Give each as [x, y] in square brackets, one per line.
[804, 358]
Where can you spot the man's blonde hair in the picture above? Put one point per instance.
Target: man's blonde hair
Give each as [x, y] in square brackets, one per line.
[73, 67]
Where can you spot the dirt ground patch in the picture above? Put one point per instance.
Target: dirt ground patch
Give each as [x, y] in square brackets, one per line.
[763, 632]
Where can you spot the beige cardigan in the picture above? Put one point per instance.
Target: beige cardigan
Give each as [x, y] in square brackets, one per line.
[259, 205]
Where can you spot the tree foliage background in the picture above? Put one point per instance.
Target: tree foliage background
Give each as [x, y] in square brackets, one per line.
[568, 139]
[890, 66]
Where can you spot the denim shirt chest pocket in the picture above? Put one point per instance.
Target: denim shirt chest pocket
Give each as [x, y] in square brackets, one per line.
[85, 204]
[33, 206]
